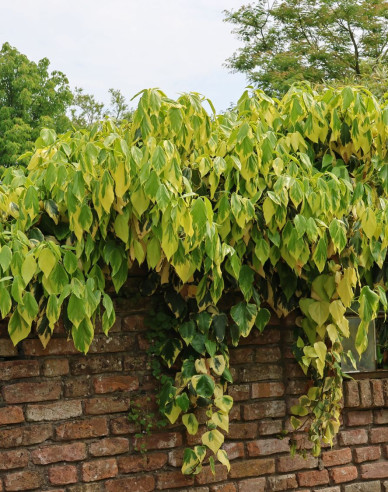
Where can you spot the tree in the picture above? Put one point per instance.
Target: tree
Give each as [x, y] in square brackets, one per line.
[30, 98]
[119, 107]
[314, 40]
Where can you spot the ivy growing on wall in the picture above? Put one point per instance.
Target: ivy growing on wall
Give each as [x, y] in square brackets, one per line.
[283, 203]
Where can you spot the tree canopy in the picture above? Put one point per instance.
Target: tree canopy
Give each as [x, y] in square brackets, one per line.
[314, 40]
[30, 98]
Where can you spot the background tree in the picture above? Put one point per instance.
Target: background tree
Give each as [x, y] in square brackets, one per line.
[85, 110]
[30, 98]
[314, 40]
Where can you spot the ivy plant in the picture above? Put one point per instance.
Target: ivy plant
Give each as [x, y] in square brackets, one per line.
[282, 203]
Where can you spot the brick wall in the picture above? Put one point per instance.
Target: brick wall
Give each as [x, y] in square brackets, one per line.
[64, 425]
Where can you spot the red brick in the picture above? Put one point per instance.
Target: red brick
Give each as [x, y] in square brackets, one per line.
[343, 474]
[381, 416]
[145, 462]
[351, 437]
[363, 487]
[352, 396]
[369, 453]
[239, 392]
[377, 392]
[264, 409]
[56, 346]
[313, 477]
[374, 470]
[95, 364]
[293, 463]
[25, 436]
[242, 431]
[234, 450]
[297, 387]
[207, 477]
[136, 362]
[162, 440]
[55, 367]
[62, 475]
[13, 459]
[241, 355]
[252, 485]
[282, 482]
[7, 349]
[269, 336]
[121, 425]
[109, 384]
[379, 434]
[113, 404]
[112, 344]
[135, 322]
[76, 387]
[11, 415]
[82, 429]
[267, 354]
[173, 480]
[270, 427]
[64, 452]
[99, 470]
[60, 410]
[144, 483]
[337, 457]
[17, 369]
[267, 446]
[261, 372]
[365, 393]
[30, 392]
[109, 446]
[252, 468]
[267, 390]
[359, 418]
[224, 487]
[23, 480]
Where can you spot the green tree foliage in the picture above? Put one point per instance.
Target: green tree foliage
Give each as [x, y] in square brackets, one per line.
[30, 98]
[284, 203]
[314, 40]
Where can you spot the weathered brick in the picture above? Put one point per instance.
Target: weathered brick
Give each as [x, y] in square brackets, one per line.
[267, 354]
[82, 429]
[242, 431]
[110, 384]
[146, 462]
[223, 487]
[101, 405]
[99, 470]
[351, 437]
[313, 477]
[352, 395]
[267, 390]
[381, 416]
[122, 425]
[135, 362]
[135, 322]
[64, 452]
[264, 409]
[263, 447]
[377, 392]
[63, 474]
[144, 483]
[55, 367]
[234, 450]
[239, 392]
[173, 480]
[293, 463]
[57, 346]
[252, 484]
[13, 459]
[329, 489]
[7, 349]
[271, 336]
[270, 427]
[241, 355]
[30, 392]
[77, 387]
[369, 453]
[60, 410]
[23, 480]
[337, 457]
[109, 446]
[379, 434]
[25, 436]
[365, 393]
[261, 372]
[282, 482]
[11, 415]
[207, 477]
[18, 369]
[359, 418]
[363, 487]
[374, 470]
[162, 440]
[344, 474]
[94, 364]
[252, 468]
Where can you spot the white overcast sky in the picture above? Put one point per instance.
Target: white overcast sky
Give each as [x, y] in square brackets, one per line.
[176, 45]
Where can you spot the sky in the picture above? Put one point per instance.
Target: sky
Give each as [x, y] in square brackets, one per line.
[176, 45]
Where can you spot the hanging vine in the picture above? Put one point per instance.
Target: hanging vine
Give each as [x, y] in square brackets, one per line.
[283, 203]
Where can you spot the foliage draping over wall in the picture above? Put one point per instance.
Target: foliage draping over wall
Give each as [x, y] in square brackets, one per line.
[283, 201]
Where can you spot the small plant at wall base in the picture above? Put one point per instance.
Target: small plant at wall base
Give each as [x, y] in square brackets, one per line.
[282, 203]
